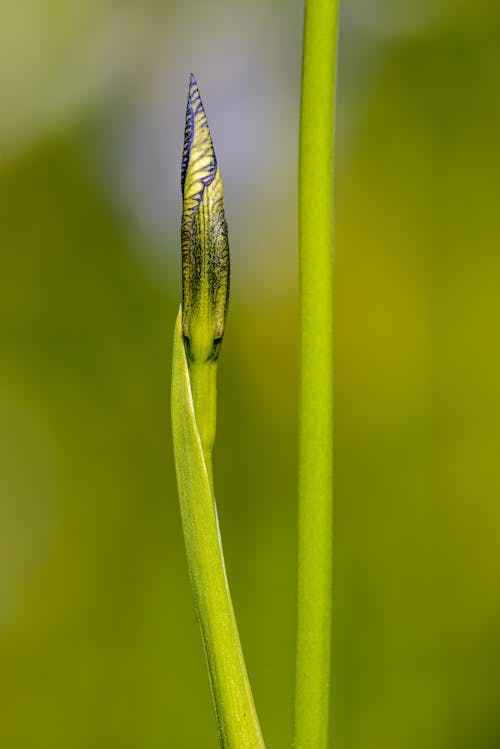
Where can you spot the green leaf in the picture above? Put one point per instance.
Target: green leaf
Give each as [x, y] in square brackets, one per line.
[234, 707]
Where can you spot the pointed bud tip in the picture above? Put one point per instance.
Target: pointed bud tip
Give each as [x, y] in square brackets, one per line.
[205, 249]
[194, 97]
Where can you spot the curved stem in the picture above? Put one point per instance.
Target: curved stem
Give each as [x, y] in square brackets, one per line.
[312, 691]
[237, 720]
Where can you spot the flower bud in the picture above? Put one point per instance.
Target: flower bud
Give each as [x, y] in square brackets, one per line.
[204, 240]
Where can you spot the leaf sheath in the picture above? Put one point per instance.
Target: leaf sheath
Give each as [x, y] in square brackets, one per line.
[237, 720]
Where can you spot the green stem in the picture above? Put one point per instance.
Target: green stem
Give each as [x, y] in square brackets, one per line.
[312, 691]
[237, 720]
[203, 376]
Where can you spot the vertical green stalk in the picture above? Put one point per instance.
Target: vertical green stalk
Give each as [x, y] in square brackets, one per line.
[237, 720]
[197, 340]
[314, 590]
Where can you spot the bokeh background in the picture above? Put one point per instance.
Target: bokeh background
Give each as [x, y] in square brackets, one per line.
[99, 646]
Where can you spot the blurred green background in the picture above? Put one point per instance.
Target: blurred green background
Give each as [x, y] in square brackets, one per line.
[99, 646]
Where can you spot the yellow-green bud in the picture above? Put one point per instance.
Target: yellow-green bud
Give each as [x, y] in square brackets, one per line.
[204, 240]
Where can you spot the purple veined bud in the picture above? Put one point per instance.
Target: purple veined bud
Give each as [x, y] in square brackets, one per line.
[204, 237]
